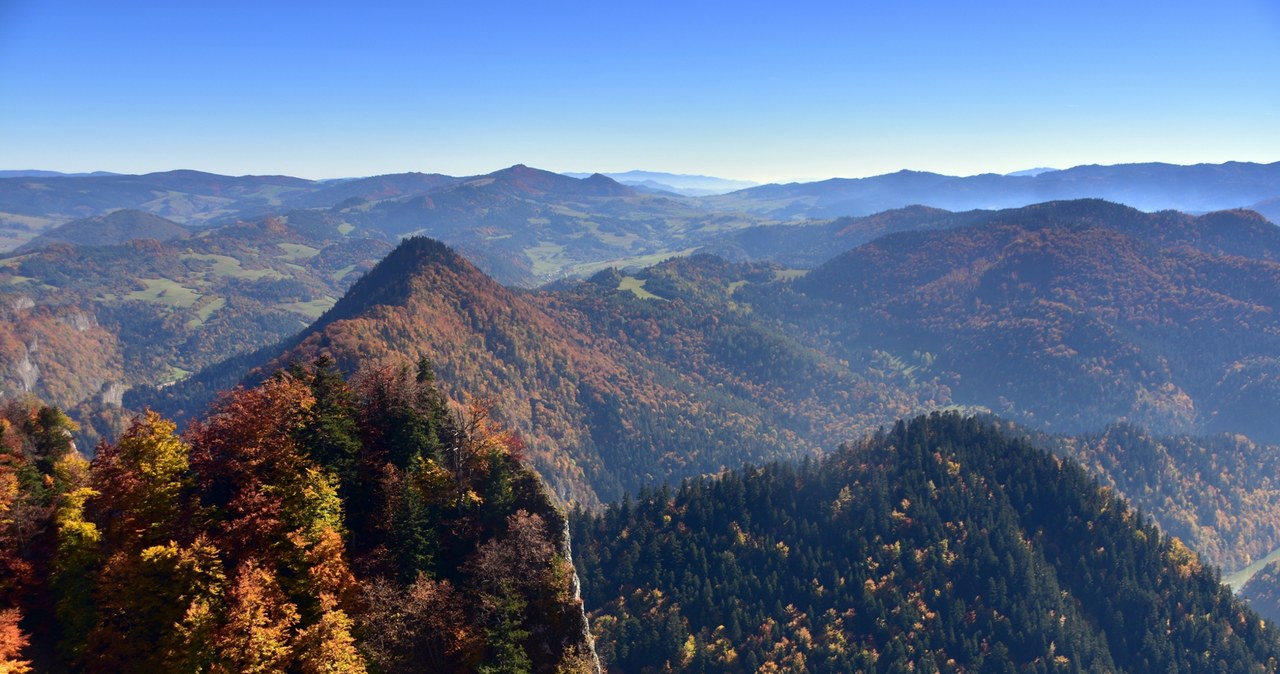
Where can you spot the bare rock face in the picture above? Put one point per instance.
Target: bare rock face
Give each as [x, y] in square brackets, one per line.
[80, 321]
[113, 393]
[26, 371]
[587, 643]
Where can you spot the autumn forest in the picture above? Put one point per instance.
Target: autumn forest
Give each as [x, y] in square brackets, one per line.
[526, 422]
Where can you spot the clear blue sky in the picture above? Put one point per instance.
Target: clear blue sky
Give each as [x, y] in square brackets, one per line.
[764, 91]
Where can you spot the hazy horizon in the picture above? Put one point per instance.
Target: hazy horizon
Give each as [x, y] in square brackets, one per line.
[752, 92]
[577, 173]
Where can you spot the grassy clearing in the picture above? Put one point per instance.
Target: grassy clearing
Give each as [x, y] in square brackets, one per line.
[225, 265]
[346, 228]
[569, 212]
[164, 291]
[638, 261]
[733, 287]
[897, 364]
[337, 275]
[205, 310]
[546, 259]
[636, 286]
[296, 251]
[616, 240]
[176, 374]
[33, 223]
[311, 309]
[789, 274]
[15, 261]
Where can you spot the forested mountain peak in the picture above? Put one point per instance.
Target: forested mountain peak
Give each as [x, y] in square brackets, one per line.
[938, 545]
[614, 385]
[401, 273]
[533, 182]
[306, 524]
[113, 228]
[1054, 287]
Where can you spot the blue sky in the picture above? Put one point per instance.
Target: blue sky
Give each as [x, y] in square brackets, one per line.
[749, 90]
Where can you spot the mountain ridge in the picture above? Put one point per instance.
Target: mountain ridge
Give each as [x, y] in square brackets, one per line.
[113, 228]
[637, 378]
[1149, 187]
[940, 543]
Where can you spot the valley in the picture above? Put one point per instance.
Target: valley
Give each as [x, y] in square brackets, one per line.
[662, 338]
[635, 341]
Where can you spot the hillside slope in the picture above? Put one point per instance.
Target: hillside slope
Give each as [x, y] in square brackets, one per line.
[114, 228]
[611, 391]
[1073, 314]
[940, 545]
[83, 323]
[304, 525]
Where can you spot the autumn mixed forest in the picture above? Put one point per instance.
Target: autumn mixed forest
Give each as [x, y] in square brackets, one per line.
[529, 422]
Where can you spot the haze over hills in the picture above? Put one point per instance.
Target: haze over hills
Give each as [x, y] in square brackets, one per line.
[1269, 208]
[1141, 344]
[30, 204]
[36, 173]
[525, 226]
[344, 375]
[1050, 302]
[116, 227]
[677, 183]
[373, 188]
[806, 245]
[639, 377]
[1148, 187]
[1065, 317]
[604, 402]
[1032, 171]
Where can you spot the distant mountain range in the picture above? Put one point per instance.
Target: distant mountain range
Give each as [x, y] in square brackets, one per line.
[523, 225]
[1084, 318]
[634, 338]
[1031, 172]
[676, 183]
[526, 226]
[1065, 317]
[1148, 187]
[35, 173]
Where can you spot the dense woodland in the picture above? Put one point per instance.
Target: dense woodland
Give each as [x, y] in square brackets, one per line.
[304, 525]
[356, 514]
[1071, 315]
[611, 391]
[1218, 494]
[1262, 591]
[633, 379]
[942, 544]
